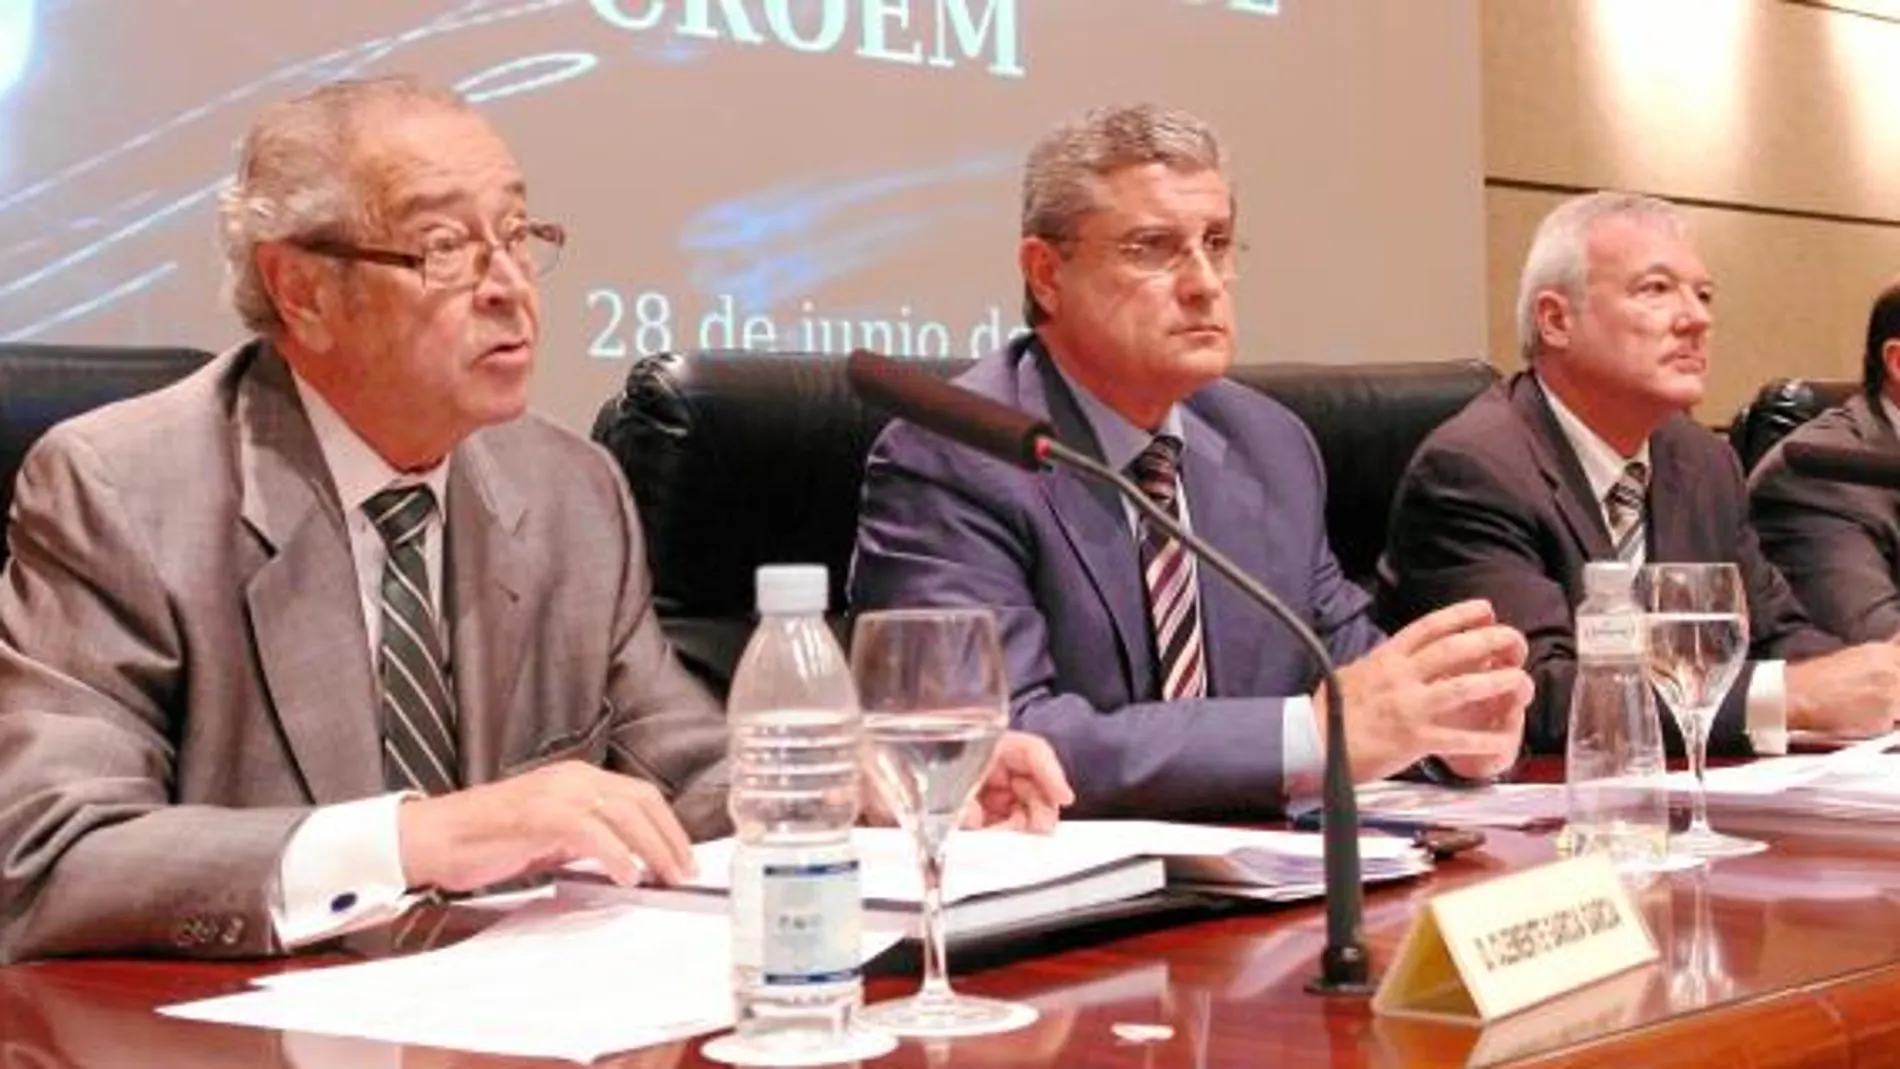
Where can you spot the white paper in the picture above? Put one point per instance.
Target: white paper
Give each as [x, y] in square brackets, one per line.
[1863, 768]
[1297, 851]
[1500, 805]
[979, 862]
[557, 979]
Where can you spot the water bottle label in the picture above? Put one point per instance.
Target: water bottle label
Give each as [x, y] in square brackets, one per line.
[797, 923]
[1610, 635]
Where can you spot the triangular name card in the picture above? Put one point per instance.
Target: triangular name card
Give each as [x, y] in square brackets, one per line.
[1487, 951]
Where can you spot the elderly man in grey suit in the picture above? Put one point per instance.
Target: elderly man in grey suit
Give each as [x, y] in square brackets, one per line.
[334, 621]
[1839, 545]
[1165, 692]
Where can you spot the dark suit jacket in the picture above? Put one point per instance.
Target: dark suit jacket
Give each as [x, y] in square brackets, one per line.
[1839, 545]
[1495, 505]
[1055, 557]
[184, 668]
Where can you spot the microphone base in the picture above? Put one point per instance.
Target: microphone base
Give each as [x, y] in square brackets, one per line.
[1319, 985]
[1345, 971]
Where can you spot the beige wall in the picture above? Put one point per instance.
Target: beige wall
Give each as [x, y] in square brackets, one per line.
[1777, 122]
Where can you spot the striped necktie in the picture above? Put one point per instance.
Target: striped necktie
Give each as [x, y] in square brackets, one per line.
[417, 707]
[1168, 574]
[1623, 507]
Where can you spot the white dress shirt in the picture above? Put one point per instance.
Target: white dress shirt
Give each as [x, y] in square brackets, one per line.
[342, 868]
[1767, 703]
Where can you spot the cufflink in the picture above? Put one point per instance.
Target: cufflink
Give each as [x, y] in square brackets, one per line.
[343, 902]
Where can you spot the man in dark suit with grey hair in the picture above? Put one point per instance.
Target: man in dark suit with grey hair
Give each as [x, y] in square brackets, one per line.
[1590, 455]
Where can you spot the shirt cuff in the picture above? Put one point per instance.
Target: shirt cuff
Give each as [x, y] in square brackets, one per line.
[1767, 708]
[341, 872]
[1302, 756]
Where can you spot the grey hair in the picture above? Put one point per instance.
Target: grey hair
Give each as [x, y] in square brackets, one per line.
[1059, 177]
[295, 180]
[1558, 259]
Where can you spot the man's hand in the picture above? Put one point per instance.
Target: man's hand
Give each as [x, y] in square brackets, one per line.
[1452, 684]
[541, 820]
[1023, 789]
[1849, 693]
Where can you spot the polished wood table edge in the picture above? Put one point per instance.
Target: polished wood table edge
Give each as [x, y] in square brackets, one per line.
[1803, 943]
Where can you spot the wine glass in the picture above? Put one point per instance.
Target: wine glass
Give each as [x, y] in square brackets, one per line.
[936, 703]
[1697, 624]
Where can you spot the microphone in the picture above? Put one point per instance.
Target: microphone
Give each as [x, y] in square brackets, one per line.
[951, 411]
[1015, 437]
[1833, 463]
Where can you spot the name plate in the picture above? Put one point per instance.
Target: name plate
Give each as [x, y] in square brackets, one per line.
[1487, 951]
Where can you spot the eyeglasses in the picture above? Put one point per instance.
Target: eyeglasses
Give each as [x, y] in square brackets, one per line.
[1165, 252]
[448, 263]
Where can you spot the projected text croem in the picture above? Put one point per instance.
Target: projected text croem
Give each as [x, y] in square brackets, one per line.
[926, 33]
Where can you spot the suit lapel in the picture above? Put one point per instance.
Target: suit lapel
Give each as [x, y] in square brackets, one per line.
[1563, 473]
[1093, 519]
[1227, 507]
[305, 606]
[484, 567]
[1672, 501]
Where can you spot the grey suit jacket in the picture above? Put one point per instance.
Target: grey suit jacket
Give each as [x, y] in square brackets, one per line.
[1838, 545]
[1496, 505]
[184, 668]
[1055, 557]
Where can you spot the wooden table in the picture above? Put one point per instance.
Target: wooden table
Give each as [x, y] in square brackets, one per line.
[1787, 958]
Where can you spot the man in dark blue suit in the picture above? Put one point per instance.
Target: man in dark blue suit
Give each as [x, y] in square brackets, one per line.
[1164, 691]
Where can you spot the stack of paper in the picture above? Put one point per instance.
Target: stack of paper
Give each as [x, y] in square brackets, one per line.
[1853, 791]
[993, 880]
[592, 972]
[996, 878]
[1277, 866]
[1501, 805]
[557, 979]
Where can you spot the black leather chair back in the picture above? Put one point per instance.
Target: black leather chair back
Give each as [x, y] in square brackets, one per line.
[738, 459]
[1368, 420]
[41, 385]
[1780, 407]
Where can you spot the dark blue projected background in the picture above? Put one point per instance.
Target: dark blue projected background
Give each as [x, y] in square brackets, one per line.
[804, 174]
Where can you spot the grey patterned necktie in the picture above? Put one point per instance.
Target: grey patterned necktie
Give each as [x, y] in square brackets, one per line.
[418, 707]
[1623, 507]
[1168, 575]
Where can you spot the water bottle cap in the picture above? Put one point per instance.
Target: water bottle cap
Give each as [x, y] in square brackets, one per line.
[1603, 577]
[793, 589]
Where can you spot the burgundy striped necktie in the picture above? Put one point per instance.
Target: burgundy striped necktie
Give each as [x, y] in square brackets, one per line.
[1168, 573]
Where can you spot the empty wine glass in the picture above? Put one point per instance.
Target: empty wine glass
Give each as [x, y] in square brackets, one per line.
[936, 703]
[1697, 624]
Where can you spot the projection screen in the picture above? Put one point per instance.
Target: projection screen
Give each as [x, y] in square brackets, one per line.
[801, 174]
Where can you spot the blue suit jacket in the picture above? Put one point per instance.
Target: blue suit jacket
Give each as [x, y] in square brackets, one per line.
[1055, 557]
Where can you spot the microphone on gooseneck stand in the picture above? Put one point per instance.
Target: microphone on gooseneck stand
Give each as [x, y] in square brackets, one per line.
[1017, 438]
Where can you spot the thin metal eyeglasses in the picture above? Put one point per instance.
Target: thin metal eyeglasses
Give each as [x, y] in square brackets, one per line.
[452, 263]
[1166, 252]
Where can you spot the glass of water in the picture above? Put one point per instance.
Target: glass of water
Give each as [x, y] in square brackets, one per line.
[936, 702]
[1697, 622]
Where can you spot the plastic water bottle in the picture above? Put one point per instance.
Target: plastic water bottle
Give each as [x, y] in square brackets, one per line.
[796, 904]
[1616, 797]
